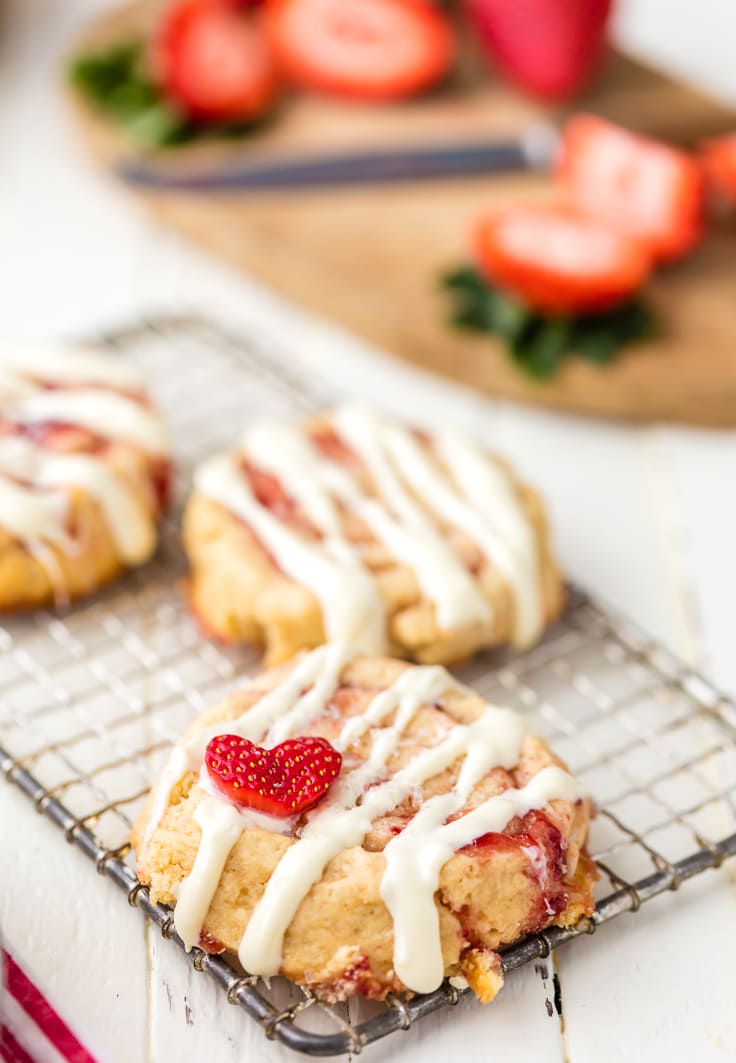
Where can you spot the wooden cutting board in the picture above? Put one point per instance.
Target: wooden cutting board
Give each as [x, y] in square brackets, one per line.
[370, 257]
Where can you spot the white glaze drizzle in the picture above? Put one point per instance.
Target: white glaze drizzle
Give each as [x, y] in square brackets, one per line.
[400, 523]
[221, 826]
[413, 490]
[35, 481]
[494, 517]
[106, 413]
[73, 365]
[39, 514]
[418, 854]
[32, 515]
[343, 588]
[13, 387]
[414, 858]
[329, 665]
[403, 525]
[339, 823]
[485, 507]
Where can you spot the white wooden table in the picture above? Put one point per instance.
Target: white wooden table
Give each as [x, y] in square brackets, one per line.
[647, 518]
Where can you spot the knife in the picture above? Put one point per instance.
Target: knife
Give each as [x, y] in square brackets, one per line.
[534, 148]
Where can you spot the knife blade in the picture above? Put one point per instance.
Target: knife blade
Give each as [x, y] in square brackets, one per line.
[532, 149]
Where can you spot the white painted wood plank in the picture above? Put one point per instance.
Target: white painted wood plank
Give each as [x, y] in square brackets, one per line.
[73, 933]
[518, 1025]
[661, 980]
[190, 1016]
[668, 34]
[702, 500]
[657, 985]
[599, 487]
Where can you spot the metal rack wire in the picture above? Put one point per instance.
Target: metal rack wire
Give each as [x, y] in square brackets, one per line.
[91, 701]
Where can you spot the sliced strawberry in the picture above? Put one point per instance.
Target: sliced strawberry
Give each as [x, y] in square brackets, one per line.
[647, 189]
[558, 261]
[366, 49]
[282, 781]
[718, 160]
[213, 61]
[549, 48]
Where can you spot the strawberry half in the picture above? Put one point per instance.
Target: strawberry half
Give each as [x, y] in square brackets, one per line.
[557, 260]
[282, 781]
[633, 183]
[718, 160]
[213, 61]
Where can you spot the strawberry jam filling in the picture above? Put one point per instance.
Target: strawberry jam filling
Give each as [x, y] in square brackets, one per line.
[269, 492]
[210, 943]
[544, 846]
[55, 435]
[329, 443]
[162, 476]
[356, 980]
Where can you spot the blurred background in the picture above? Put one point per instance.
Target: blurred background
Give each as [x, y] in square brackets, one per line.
[60, 220]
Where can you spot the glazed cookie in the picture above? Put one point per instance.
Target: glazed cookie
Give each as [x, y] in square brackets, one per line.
[364, 826]
[352, 528]
[84, 474]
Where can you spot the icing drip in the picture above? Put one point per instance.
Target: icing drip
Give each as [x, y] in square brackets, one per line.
[407, 531]
[401, 525]
[105, 413]
[31, 515]
[418, 854]
[414, 859]
[80, 365]
[221, 827]
[344, 589]
[39, 514]
[71, 388]
[457, 484]
[493, 516]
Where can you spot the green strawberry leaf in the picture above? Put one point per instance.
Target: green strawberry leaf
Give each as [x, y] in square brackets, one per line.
[117, 83]
[509, 318]
[540, 343]
[541, 351]
[101, 74]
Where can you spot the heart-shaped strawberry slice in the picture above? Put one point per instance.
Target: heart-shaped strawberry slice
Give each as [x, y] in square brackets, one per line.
[281, 781]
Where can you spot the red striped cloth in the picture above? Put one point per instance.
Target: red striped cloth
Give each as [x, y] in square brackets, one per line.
[31, 1031]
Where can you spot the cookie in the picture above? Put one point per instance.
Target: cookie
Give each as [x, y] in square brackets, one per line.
[84, 474]
[353, 528]
[447, 833]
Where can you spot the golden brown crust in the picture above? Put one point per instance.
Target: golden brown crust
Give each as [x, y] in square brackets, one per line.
[341, 940]
[54, 575]
[239, 594]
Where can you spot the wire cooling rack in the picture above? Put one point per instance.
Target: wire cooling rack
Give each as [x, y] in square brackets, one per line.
[92, 699]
